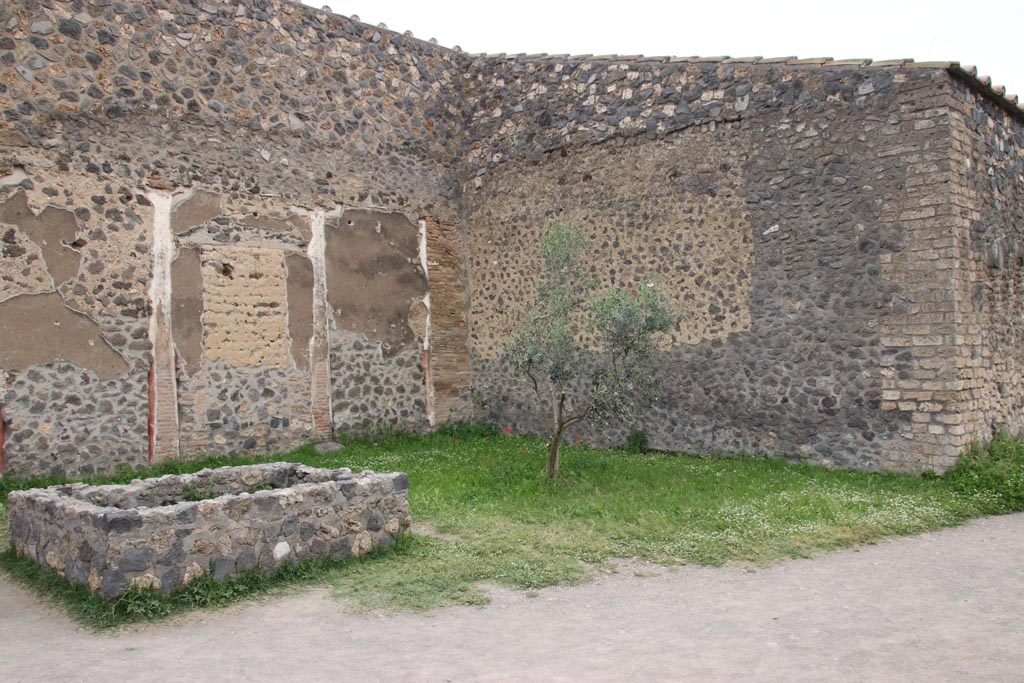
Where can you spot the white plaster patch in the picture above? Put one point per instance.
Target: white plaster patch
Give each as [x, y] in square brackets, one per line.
[319, 342]
[16, 175]
[160, 321]
[424, 263]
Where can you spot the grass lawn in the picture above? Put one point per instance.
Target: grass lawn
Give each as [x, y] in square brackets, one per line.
[498, 520]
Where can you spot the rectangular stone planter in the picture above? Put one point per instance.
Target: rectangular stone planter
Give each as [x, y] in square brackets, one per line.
[166, 531]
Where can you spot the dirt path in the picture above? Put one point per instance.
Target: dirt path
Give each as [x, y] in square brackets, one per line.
[946, 606]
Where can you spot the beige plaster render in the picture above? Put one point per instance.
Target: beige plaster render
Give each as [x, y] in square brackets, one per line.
[244, 311]
[52, 229]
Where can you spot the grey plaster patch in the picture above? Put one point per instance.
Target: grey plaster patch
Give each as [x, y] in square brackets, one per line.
[199, 208]
[373, 275]
[51, 229]
[300, 307]
[36, 329]
[187, 306]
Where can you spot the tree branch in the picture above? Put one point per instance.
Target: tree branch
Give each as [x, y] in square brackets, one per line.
[579, 416]
[536, 387]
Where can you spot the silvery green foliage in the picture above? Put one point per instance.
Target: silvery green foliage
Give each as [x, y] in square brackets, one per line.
[622, 326]
[626, 326]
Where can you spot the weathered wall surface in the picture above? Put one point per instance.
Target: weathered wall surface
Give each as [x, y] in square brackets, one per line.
[374, 282]
[771, 201]
[259, 113]
[253, 222]
[989, 211]
[672, 211]
[75, 349]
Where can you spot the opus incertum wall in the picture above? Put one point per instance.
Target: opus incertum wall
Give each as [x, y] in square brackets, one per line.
[214, 223]
[235, 226]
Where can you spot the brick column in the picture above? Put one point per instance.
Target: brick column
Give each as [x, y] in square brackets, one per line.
[448, 357]
[923, 333]
[985, 193]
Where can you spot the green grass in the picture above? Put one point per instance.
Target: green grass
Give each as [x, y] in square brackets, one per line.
[499, 521]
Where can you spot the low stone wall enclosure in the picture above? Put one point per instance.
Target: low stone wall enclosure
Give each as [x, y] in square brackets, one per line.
[154, 533]
[234, 226]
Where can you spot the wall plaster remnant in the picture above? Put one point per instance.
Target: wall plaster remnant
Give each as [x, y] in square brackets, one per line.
[373, 275]
[274, 224]
[194, 209]
[53, 229]
[299, 282]
[319, 341]
[187, 307]
[13, 177]
[36, 329]
[419, 319]
[164, 428]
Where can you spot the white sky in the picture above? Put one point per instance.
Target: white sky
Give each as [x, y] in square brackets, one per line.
[985, 33]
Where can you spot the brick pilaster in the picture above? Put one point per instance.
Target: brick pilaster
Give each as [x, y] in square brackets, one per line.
[3, 434]
[448, 356]
[923, 331]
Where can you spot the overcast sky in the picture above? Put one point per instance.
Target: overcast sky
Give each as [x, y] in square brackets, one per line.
[985, 33]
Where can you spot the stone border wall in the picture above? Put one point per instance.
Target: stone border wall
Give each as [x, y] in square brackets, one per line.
[254, 517]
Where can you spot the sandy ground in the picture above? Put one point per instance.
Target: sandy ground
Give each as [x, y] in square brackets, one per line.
[947, 606]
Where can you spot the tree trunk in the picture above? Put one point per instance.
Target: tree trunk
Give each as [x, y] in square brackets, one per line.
[555, 444]
[554, 451]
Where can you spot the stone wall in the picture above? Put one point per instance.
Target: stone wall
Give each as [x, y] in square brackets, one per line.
[249, 117]
[798, 213]
[254, 223]
[988, 201]
[163, 533]
[922, 332]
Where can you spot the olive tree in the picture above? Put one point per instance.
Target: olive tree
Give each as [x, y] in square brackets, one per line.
[603, 380]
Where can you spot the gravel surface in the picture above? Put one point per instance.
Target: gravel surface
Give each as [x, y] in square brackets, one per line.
[944, 606]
